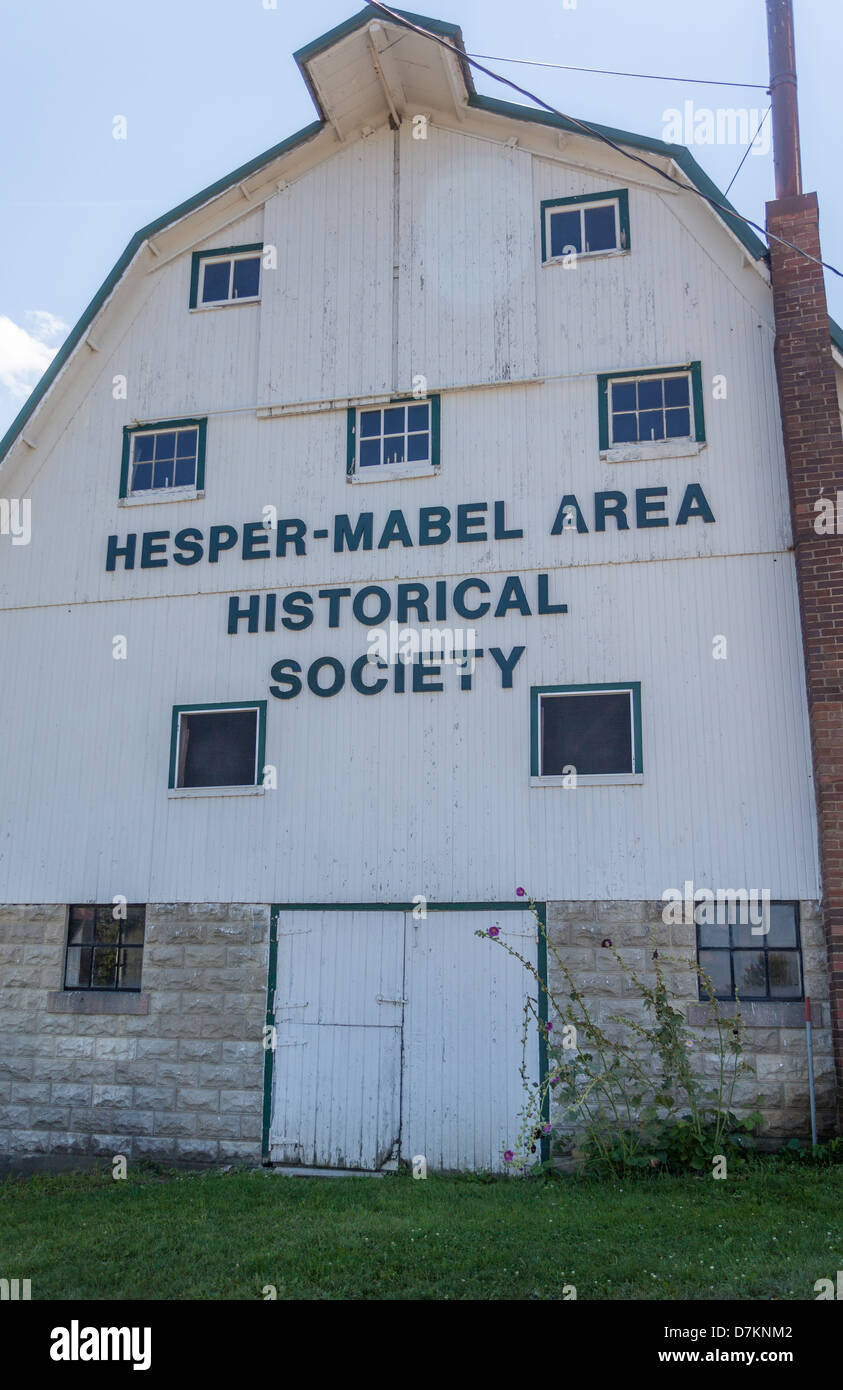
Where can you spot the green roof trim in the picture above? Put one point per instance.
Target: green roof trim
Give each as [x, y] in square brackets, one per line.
[679, 153]
[79, 329]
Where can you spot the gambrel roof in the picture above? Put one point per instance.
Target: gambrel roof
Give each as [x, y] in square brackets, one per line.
[361, 74]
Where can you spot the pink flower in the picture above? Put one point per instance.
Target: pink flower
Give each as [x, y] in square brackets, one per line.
[494, 931]
[548, 1128]
[520, 893]
[550, 1027]
[508, 1156]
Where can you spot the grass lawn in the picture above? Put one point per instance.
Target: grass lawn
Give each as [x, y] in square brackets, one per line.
[768, 1233]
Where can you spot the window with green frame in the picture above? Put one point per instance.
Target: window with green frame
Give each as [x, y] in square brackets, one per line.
[592, 731]
[219, 745]
[658, 405]
[225, 275]
[163, 459]
[589, 224]
[396, 439]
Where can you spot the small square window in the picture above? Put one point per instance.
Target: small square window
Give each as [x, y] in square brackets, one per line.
[225, 276]
[591, 731]
[104, 951]
[650, 408]
[747, 963]
[593, 224]
[217, 745]
[158, 458]
[402, 436]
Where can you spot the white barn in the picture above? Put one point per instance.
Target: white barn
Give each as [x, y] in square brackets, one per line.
[365, 380]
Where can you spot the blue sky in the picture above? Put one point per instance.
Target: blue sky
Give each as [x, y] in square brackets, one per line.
[206, 87]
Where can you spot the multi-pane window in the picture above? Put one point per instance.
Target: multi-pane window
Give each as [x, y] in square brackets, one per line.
[592, 731]
[163, 458]
[401, 435]
[651, 407]
[217, 745]
[742, 960]
[225, 276]
[105, 951]
[590, 225]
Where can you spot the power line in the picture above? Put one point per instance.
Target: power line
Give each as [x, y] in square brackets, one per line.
[598, 135]
[607, 72]
[747, 150]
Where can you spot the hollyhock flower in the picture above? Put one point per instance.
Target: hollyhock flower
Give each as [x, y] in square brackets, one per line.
[508, 1156]
[548, 1128]
[494, 931]
[607, 941]
[655, 955]
[550, 1027]
[520, 893]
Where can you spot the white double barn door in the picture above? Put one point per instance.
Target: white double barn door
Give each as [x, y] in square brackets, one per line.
[398, 1037]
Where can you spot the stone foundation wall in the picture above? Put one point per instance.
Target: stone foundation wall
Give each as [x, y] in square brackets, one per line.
[179, 1079]
[776, 1081]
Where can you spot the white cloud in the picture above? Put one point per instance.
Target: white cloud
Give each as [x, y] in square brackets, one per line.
[26, 353]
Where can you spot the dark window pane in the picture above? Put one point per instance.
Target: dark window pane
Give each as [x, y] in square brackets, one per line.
[712, 933]
[600, 229]
[623, 395]
[215, 283]
[418, 417]
[129, 976]
[716, 965]
[565, 232]
[418, 448]
[142, 477]
[370, 452]
[165, 445]
[678, 424]
[144, 447]
[591, 733]
[163, 475]
[676, 390]
[133, 926]
[393, 420]
[748, 923]
[782, 925]
[81, 924]
[107, 927]
[393, 449]
[246, 277]
[186, 443]
[370, 422]
[104, 974]
[185, 472]
[219, 748]
[77, 973]
[624, 429]
[650, 425]
[650, 394]
[785, 976]
[750, 973]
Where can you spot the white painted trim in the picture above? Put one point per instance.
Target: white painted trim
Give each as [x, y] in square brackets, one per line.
[188, 793]
[658, 449]
[605, 779]
[155, 497]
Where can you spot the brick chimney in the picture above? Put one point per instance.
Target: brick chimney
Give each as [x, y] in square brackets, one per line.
[814, 456]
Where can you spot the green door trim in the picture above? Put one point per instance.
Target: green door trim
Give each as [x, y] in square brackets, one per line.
[541, 968]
